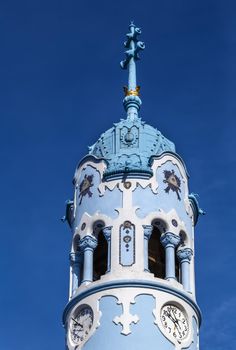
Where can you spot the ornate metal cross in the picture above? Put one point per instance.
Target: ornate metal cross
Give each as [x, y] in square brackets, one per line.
[132, 54]
[132, 102]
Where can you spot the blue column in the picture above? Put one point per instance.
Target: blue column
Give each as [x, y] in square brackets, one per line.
[107, 235]
[75, 262]
[147, 234]
[170, 241]
[185, 256]
[87, 245]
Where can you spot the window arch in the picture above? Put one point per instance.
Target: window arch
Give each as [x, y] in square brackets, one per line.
[100, 256]
[183, 238]
[156, 252]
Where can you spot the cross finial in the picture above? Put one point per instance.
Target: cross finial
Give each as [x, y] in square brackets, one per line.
[132, 102]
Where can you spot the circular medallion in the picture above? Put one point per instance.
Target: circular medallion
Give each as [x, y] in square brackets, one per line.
[83, 226]
[127, 239]
[129, 137]
[127, 224]
[174, 223]
[127, 184]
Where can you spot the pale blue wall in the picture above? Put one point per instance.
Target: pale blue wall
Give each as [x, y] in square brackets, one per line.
[145, 334]
[149, 201]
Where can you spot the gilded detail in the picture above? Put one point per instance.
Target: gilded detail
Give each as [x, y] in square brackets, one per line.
[132, 92]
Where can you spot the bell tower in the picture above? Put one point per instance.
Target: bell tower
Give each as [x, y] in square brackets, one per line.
[132, 220]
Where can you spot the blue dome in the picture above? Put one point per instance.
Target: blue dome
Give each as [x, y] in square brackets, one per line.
[128, 146]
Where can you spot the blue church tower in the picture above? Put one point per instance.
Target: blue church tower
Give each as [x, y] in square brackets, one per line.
[132, 254]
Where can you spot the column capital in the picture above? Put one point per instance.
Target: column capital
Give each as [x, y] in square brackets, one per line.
[170, 239]
[107, 232]
[184, 254]
[147, 231]
[88, 242]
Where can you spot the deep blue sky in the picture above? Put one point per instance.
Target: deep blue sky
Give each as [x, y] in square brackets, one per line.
[60, 88]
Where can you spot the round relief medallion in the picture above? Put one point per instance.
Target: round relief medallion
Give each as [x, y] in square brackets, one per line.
[174, 223]
[83, 226]
[127, 184]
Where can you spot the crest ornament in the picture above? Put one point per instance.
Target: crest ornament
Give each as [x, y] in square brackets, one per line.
[173, 182]
[127, 224]
[129, 137]
[127, 185]
[85, 186]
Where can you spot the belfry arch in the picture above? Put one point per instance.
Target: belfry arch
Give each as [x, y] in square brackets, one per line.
[100, 255]
[156, 252]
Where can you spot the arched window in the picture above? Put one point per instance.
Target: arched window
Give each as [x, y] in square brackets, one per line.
[100, 256]
[183, 238]
[156, 253]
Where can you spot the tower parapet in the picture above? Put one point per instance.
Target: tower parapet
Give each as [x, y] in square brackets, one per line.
[132, 258]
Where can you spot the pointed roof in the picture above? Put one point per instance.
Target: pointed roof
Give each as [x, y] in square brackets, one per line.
[129, 145]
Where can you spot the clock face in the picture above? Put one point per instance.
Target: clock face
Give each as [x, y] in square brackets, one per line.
[174, 322]
[81, 323]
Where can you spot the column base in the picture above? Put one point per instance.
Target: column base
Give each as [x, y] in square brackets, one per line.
[171, 279]
[85, 282]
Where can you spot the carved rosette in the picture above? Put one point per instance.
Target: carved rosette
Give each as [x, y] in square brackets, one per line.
[170, 239]
[184, 254]
[88, 242]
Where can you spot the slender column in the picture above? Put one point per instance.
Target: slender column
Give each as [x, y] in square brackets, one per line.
[170, 241]
[147, 234]
[185, 256]
[87, 245]
[75, 263]
[107, 235]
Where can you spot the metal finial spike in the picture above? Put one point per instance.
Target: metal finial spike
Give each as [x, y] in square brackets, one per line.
[133, 46]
